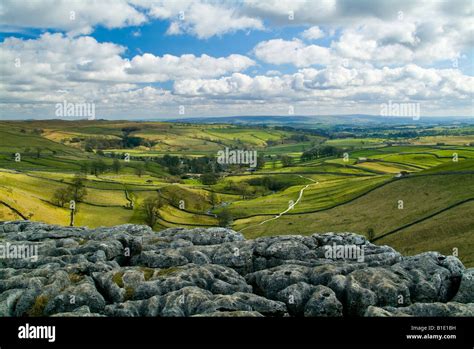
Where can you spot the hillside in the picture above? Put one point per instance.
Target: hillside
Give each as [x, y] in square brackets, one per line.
[356, 186]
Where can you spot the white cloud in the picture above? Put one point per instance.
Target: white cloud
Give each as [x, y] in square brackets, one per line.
[174, 29]
[169, 67]
[236, 85]
[376, 42]
[56, 66]
[273, 73]
[202, 19]
[313, 33]
[279, 51]
[75, 17]
[338, 85]
[381, 32]
[401, 42]
[376, 53]
[303, 11]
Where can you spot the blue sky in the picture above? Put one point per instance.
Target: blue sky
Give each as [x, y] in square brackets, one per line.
[139, 59]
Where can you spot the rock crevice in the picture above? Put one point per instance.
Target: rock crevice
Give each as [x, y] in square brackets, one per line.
[130, 270]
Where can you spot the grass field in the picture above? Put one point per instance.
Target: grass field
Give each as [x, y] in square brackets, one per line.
[320, 195]
[449, 232]
[378, 210]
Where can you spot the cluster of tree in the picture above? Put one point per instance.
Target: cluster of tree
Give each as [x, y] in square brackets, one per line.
[36, 131]
[126, 141]
[385, 132]
[75, 191]
[209, 178]
[342, 135]
[391, 132]
[312, 131]
[35, 152]
[95, 167]
[101, 143]
[172, 163]
[294, 138]
[272, 183]
[272, 142]
[129, 141]
[99, 166]
[178, 165]
[321, 151]
[298, 137]
[242, 188]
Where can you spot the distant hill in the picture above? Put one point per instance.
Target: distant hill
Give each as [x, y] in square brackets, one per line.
[308, 121]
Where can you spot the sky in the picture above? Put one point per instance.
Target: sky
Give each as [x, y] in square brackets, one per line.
[139, 59]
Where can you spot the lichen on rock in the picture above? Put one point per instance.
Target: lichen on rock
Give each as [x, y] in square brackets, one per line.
[131, 270]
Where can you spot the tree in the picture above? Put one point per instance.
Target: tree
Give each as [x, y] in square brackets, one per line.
[224, 217]
[61, 196]
[98, 167]
[286, 161]
[213, 199]
[116, 165]
[244, 189]
[77, 189]
[150, 208]
[321, 151]
[88, 148]
[85, 167]
[139, 170]
[209, 178]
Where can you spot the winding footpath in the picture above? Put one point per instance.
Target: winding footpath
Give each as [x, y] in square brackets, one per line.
[290, 207]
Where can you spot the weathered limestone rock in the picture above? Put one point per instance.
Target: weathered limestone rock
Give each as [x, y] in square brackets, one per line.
[130, 270]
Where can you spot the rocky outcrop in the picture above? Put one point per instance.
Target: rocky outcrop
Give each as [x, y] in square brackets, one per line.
[130, 270]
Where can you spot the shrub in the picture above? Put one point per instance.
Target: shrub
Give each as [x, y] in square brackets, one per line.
[225, 217]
